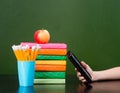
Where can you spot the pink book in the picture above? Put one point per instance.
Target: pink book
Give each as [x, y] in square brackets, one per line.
[47, 45]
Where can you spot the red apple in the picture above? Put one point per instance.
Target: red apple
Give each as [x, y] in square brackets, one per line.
[42, 36]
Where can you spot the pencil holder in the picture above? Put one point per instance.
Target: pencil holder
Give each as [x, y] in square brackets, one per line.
[23, 89]
[26, 71]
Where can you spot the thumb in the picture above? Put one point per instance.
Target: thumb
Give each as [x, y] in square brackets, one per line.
[86, 66]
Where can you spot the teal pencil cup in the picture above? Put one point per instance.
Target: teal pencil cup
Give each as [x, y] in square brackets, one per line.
[26, 70]
[23, 89]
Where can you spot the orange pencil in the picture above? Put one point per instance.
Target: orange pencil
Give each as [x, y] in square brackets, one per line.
[32, 53]
[15, 51]
[36, 50]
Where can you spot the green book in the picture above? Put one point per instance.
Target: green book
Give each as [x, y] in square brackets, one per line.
[50, 57]
[50, 75]
[49, 81]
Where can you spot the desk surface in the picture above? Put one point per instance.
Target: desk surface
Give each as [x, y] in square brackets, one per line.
[9, 84]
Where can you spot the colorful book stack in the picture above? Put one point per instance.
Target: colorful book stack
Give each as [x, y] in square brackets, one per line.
[50, 63]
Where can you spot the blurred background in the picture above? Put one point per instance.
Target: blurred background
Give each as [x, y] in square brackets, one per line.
[90, 28]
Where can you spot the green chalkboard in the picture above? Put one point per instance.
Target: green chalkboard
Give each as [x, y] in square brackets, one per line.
[90, 28]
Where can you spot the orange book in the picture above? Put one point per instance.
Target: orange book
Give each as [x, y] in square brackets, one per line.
[50, 68]
[53, 51]
[50, 62]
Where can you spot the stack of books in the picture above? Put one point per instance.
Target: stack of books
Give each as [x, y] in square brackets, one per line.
[50, 63]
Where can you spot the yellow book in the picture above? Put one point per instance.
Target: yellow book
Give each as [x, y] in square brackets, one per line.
[51, 62]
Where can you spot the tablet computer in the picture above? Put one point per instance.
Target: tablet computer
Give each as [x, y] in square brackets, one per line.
[79, 66]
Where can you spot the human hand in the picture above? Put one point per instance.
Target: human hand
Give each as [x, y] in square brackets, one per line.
[89, 70]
